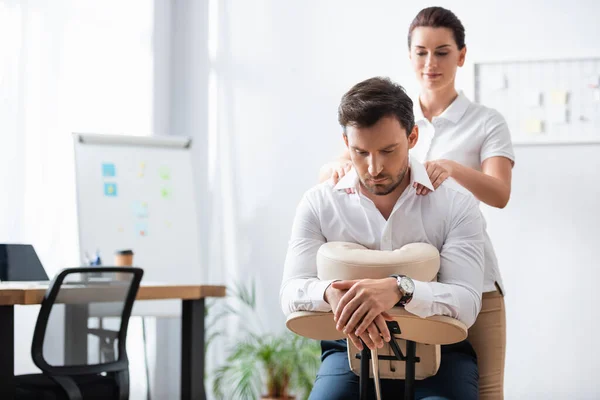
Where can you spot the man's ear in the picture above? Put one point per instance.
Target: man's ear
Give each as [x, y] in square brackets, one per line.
[413, 137]
[345, 139]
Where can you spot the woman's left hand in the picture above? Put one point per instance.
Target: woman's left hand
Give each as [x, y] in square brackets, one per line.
[438, 171]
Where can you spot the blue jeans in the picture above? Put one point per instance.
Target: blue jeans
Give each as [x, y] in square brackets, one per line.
[457, 377]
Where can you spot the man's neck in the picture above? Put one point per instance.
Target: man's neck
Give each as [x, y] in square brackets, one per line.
[435, 103]
[385, 204]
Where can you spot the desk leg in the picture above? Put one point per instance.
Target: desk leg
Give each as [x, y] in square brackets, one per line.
[7, 354]
[192, 350]
[76, 340]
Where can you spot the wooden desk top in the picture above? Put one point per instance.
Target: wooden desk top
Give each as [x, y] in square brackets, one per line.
[28, 293]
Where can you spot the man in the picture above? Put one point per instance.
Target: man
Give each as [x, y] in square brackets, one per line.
[385, 213]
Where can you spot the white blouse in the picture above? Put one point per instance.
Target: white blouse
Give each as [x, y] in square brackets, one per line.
[467, 133]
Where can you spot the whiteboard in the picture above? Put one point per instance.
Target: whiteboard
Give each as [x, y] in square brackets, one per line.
[138, 193]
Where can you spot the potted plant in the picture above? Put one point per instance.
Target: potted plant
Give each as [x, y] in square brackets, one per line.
[264, 364]
[277, 362]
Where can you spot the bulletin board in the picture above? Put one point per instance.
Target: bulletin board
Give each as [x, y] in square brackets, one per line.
[544, 101]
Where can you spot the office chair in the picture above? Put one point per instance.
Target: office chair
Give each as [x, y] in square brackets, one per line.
[414, 352]
[72, 295]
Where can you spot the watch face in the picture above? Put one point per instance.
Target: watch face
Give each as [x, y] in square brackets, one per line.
[407, 285]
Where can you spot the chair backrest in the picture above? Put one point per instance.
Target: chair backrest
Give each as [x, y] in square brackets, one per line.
[77, 296]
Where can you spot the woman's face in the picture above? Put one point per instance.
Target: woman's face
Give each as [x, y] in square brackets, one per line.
[434, 56]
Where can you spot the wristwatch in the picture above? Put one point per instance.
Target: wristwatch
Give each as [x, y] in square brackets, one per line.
[406, 287]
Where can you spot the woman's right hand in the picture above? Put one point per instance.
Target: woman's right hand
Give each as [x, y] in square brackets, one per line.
[339, 169]
[335, 171]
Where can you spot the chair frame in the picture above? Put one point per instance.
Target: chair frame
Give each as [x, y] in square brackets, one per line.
[410, 359]
[62, 374]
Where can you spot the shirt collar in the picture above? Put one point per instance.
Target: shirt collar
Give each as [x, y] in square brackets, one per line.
[418, 174]
[453, 112]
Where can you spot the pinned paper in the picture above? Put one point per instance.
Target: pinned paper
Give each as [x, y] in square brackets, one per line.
[559, 97]
[164, 173]
[108, 170]
[534, 126]
[140, 209]
[110, 189]
[141, 170]
[165, 193]
[594, 81]
[141, 228]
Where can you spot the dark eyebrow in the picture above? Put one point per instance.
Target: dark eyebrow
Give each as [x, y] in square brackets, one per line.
[439, 47]
[390, 147]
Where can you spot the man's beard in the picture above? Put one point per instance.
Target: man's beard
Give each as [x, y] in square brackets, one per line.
[384, 189]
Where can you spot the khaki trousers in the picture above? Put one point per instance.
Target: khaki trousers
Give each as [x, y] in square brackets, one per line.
[488, 338]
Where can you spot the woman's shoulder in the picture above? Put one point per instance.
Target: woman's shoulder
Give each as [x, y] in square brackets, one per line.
[485, 113]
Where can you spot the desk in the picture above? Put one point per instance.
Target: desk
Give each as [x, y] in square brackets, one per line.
[192, 328]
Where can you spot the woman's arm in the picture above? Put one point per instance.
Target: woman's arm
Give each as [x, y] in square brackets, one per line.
[492, 185]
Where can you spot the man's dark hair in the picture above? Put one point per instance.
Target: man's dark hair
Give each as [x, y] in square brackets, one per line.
[369, 101]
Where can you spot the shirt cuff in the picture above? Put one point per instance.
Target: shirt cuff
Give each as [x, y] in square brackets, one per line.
[317, 296]
[422, 300]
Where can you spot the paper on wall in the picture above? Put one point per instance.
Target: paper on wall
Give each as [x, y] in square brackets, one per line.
[533, 125]
[559, 97]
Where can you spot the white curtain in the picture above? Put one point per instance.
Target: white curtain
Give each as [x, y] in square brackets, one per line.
[65, 66]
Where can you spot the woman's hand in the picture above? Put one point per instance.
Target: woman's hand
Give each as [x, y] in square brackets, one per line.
[438, 171]
[338, 170]
[335, 171]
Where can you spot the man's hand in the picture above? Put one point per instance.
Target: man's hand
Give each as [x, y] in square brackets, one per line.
[372, 337]
[438, 171]
[363, 302]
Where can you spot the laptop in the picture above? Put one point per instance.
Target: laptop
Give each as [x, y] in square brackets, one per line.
[19, 262]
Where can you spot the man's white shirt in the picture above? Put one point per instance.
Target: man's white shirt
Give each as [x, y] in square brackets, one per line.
[447, 218]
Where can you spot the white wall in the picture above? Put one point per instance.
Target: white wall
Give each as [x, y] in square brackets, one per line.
[281, 68]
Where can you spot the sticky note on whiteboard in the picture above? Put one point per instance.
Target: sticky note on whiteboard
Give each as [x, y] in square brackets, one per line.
[534, 126]
[110, 189]
[140, 209]
[108, 170]
[165, 193]
[559, 97]
[141, 227]
[164, 173]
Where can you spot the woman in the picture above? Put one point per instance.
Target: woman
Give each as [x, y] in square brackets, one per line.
[470, 143]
